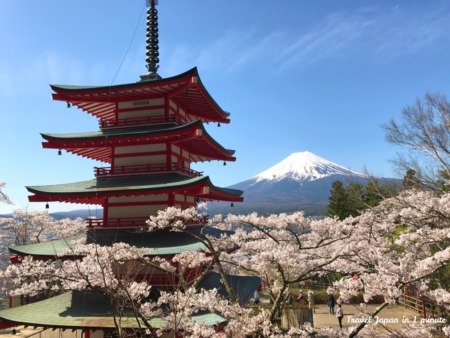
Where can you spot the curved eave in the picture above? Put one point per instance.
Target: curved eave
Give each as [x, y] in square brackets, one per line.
[95, 191]
[64, 312]
[48, 249]
[98, 145]
[186, 90]
[224, 194]
[154, 243]
[61, 247]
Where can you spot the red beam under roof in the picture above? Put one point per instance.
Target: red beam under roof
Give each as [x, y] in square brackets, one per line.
[99, 145]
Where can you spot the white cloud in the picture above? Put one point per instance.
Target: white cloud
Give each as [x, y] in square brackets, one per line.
[374, 35]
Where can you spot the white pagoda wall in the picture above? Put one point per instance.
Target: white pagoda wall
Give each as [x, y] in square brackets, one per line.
[143, 108]
[140, 155]
[159, 153]
[142, 206]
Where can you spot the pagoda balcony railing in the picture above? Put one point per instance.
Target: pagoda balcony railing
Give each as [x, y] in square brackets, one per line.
[133, 223]
[137, 121]
[145, 169]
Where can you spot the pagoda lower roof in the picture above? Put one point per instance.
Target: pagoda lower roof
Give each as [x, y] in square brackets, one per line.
[161, 242]
[99, 145]
[82, 310]
[154, 243]
[94, 191]
[185, 89]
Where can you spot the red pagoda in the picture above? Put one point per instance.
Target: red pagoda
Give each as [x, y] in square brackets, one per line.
[150, 133]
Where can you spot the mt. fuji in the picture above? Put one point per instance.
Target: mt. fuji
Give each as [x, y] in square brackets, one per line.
[304, 166]
[302, 181]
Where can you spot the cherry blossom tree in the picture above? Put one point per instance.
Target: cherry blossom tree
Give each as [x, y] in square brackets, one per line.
[119, 272]
[3, 197]
[284, 249]
[36, 226]
[380, 247]
[401, 242]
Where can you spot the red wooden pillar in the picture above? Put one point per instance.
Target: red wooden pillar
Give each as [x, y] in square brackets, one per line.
[105, 206]
[171, 199]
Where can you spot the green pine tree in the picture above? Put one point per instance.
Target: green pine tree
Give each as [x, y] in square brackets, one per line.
[411, 181]
[373, 195]
[356, 197]
[338, 203]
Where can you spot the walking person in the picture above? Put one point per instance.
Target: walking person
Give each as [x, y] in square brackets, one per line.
[289, 298]
[340, 315]
[301, 296]
[311, 300]
[331, 303]
[256, 297]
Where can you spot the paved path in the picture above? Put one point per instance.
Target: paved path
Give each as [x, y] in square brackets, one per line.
[388, 316]
[392, 317]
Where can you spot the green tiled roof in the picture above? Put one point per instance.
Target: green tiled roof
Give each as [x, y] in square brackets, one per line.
[48, 248]
[154, 243]
[156, 83]
[136, 131]
[120, 132]
[81, 310]
[199, 104]
[149, 182]
[120, 185]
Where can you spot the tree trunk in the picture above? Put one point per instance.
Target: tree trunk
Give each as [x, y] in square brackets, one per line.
[361, 326]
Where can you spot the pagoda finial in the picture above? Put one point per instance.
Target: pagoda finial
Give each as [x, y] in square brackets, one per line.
[152, 41]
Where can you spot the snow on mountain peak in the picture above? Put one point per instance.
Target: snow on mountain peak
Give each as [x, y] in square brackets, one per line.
[304, 166]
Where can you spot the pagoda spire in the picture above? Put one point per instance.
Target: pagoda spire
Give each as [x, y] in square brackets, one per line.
[152, 49]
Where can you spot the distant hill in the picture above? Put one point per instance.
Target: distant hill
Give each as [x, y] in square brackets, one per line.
[302, 181]
[83, 213]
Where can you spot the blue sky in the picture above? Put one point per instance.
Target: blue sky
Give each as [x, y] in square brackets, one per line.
[296, 75]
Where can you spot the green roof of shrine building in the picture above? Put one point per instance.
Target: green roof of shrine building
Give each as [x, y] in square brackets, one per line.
[83, 310]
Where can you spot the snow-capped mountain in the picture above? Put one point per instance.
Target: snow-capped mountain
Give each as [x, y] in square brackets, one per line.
[302, 181]
[304, 166]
